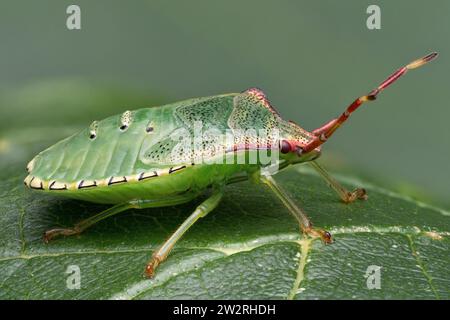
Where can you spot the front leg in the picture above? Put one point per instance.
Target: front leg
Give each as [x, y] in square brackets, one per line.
[299, 214]
[345, 195]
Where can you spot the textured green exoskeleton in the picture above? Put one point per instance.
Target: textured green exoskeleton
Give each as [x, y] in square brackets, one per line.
[168, 155]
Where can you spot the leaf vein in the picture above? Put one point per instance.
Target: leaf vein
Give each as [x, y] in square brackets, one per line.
[421, 265]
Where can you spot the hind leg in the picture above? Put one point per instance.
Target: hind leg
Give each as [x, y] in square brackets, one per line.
[202, 210]
[135, 204]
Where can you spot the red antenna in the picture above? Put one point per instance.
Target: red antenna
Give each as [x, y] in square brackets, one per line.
[323, 133]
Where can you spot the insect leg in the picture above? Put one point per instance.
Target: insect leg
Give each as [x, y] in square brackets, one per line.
[202, 210]
[299, 214]
[136, 204]
[343, 193]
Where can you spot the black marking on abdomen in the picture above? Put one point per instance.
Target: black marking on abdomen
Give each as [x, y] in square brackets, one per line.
[53, 188]
[81, 186]
[110, 182]
[41, 187]
[172, 170]
[143, 177]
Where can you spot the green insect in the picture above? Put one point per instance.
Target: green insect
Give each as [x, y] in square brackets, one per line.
[153, 157]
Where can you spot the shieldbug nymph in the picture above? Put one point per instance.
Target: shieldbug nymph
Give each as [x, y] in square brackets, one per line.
[146, 158]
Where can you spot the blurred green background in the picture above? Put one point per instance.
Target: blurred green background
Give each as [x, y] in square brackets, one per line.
[312, 58]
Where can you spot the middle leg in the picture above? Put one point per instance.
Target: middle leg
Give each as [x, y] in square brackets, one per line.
[202, 210]
[303, 220]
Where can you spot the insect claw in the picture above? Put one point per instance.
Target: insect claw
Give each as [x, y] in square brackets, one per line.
[149, 271]
[362, 194]
[45, 238]
[324, 235]
[357, 194]
[53, 233]
[50, 234]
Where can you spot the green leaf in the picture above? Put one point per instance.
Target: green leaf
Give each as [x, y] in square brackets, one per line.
[249, 247]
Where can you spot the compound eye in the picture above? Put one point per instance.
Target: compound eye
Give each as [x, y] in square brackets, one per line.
[285, 146]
